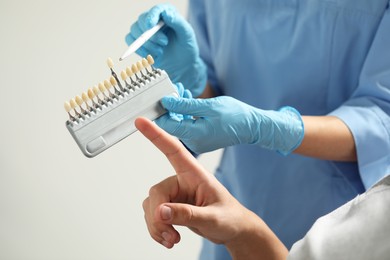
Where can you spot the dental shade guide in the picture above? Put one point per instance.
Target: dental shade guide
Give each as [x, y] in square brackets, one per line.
[105, 114]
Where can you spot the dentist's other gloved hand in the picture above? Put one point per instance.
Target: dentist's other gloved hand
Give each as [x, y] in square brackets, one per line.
[184, 93]
[173, 47]
[224, 121]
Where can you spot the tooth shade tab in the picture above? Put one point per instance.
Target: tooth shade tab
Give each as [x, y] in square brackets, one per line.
[67, 106]
[107, 84]
[85, 97]
[134, 69]
[139, 66]
[123, 75]
[129, 72]
[150, 60]
[79, 100]
[91, 94]
[73, 103]
[101, 87]
[113, 81]
[145, 63]
[110, 63]
[96, 90]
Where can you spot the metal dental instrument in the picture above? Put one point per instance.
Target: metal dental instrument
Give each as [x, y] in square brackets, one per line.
[141, 40]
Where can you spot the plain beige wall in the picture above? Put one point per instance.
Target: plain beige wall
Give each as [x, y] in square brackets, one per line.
[54, 202]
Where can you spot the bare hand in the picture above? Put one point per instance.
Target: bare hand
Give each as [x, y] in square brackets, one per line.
[193, 197]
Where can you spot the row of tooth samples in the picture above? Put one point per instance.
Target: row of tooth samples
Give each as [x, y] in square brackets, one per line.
[111, 90]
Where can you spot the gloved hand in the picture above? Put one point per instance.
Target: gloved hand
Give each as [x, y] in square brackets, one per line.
[173, 47]
[184, 93]
[224, 121]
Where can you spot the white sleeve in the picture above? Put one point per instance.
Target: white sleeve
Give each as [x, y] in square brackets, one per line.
[357, 230]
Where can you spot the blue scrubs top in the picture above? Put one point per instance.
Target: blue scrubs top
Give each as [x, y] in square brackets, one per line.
[323, 57]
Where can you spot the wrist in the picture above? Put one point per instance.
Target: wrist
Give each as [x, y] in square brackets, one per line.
[280, 131]
[294, 127]
[256, 241]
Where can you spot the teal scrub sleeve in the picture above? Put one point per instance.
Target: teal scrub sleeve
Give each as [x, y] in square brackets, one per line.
[197, 19]
[367, 113]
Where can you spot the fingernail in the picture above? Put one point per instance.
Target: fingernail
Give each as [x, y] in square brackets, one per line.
[166, 213]
[166, 236]
[166, 244]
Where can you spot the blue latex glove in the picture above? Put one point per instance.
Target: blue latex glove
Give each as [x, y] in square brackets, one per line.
[184, 93]
[174, 47]
[224, 121]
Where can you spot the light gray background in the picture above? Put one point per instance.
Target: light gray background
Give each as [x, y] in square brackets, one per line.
[54, 202]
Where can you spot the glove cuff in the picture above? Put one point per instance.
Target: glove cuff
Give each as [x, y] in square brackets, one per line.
[295, 128]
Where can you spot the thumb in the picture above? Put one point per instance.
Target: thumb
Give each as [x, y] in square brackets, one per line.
[183, 214]
[187, 106]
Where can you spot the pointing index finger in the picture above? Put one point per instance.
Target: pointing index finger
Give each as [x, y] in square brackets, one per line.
[177, 154]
